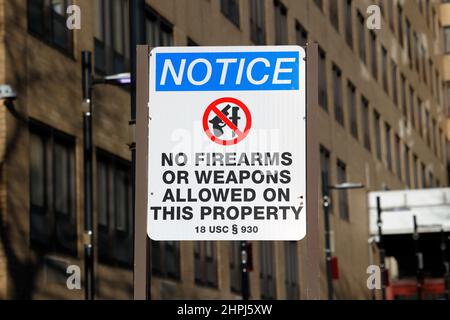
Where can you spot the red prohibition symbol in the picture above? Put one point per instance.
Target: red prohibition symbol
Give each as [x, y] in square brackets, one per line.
[222, 121]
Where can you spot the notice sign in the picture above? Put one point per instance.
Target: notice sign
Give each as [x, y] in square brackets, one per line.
[227, 143]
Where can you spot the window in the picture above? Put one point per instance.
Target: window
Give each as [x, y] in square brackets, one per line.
[324, 164]
[431, 77]
[291, 270]
[230, 9]
[301, 34]
[361, 37]
[47, 20]
[424, 176]
[400, 24]
[398, 157]
[257, 22]
[394, 82]
[377, 134]
[365, 122]
[343, 195]
[351, 99]
[337, 94]
[417, 51]
[405, 112]
[235, 267]
[53, 223]
[427, 127]
[267, 270]
[323, 101]
[111, 36]
[407, 167]
[205, 263]
[408, 42]
[114, 213]
[416, 174]
[373, 53]
[411, 106]
[434, 138]
[444, 146]
[158, 31]
[420, 116]
[334, 13]
[384, 61]
[387, 137]
[166, 259]
[424, 64]
[435, 24]
[348, 14]
[280, 23]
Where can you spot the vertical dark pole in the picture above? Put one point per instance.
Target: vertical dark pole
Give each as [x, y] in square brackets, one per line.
[381, 249]
[445, 266]
[87, 151]
[244, 271]
[137, 27]
[419, 259]
[326, 206]
[311, 246]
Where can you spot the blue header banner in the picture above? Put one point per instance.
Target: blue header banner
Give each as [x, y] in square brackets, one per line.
[227, 71]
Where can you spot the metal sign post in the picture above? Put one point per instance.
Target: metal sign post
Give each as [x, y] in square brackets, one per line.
[142, 268]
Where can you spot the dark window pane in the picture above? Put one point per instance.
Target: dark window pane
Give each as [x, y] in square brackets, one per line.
[291, 270]
[267, 272]
[64, 194]
[387, 136]
[235, 267]
[301, 34]
[351, 99]
[361, 37]
[348, 14]
[230, 9]
[37, 170]
[280, 23]
[343, 195]
[334, 13]
[257, 22]
[39, 219]
[323, 101]
[337, 92]
[365, 122]
[377, 134]
[36, 17]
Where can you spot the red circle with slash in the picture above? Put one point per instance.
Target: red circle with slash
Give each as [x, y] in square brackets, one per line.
[240, 134]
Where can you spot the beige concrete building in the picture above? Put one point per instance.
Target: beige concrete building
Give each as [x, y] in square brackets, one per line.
[382, 118]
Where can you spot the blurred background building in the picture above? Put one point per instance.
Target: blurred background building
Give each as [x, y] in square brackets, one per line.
[382, 114]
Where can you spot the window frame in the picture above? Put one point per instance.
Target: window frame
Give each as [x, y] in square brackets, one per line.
[57, 223]
[232, 16]
[47, 34]
[116, 240]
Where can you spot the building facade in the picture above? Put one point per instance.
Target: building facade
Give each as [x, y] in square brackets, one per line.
[382, 117]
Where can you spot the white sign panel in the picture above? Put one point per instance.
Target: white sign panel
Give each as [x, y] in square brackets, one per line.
[227, 143]
[430, 206]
